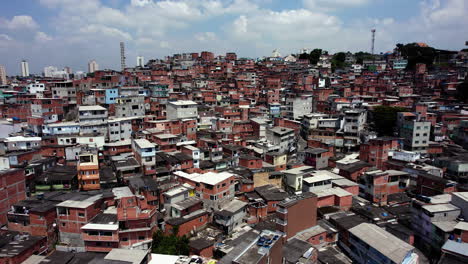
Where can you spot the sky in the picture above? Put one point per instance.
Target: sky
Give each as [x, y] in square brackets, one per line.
[72, 32]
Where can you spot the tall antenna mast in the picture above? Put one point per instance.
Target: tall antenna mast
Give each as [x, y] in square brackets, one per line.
[373, 40]
[122, 55]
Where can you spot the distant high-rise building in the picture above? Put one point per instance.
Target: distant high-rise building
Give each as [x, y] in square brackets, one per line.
[24, 68]
[68, 70]
[275, 53]
[50, 71]
[79, 75]
[3, 79]
[140, 61]
[122, 55]
[93, 66]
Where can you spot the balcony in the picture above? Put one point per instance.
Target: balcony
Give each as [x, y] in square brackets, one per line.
[105, 248]
[18, 218]
[98, 237]
[281, 222]
[282, 210]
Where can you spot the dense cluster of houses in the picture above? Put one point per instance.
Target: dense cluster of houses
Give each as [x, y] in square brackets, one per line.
[269, 161]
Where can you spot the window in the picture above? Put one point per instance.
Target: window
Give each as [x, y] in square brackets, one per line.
[124, 238]
[141, 238]
[63, 224]
[81, 215]
[201, 219]
[213, 197]
[63, 211]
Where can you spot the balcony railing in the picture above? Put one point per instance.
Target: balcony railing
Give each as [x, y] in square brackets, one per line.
[113, 238]
[281, 222]
[282, 210]
[18, 218]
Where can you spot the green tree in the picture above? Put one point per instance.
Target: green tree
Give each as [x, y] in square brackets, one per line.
[462, 91]
[315, 56]
[338, 60]
[304, 56]
[416, 53]
[170, 244]
[384, 119]
[361, 56]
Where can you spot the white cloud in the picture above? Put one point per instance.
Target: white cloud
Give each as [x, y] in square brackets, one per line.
[240, 25]
[93, 28]
[451, 12]
[164, 44]
[72, 5]
[42, 37]
[288, 25]
[332, 4]
[205, 36]
[107, 31]
[6, 45]
[19, 22]
[140, 2]
[5, 37]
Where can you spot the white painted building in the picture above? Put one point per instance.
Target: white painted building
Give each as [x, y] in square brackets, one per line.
[119, 128]
[93, 66]
[3, 79]
[22, 143]
[408, 156]
[140, 61]
[282, 137]
[181, 109]
[24, 68]
[61, 128]
[297, 107]
[34, 88]
[49, 71]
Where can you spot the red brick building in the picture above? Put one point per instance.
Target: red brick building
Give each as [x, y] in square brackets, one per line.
[296, 214]
[376, 151]
[12, 190]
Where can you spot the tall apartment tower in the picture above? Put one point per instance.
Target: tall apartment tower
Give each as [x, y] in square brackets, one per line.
[140, 61]
[93, 66]
[122, 55]
[3, 79]
[24, 68]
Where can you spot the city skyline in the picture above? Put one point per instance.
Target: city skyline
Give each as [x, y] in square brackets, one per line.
[61, 32]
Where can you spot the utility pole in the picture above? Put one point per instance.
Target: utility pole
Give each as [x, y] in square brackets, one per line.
[373, 41]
